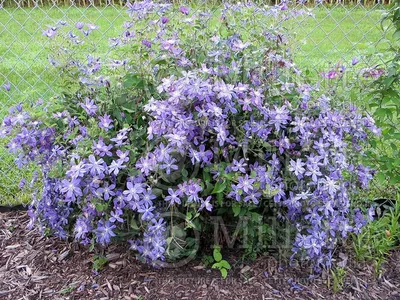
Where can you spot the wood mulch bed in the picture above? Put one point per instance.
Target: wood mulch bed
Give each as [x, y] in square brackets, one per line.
[37, 267]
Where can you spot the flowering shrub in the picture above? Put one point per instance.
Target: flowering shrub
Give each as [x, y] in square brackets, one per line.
[206, 107]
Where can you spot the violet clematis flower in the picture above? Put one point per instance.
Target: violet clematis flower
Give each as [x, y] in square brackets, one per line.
[184, 10]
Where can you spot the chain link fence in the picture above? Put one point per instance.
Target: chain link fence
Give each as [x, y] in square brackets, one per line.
[321, 34]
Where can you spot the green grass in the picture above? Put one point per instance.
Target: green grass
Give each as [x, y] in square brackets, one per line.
[333, 35]
[379, 237]
[24, 63]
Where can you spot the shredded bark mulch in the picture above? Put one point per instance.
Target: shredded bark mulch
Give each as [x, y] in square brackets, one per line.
[37, 267]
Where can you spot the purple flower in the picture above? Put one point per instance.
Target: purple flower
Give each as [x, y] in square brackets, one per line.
[236, 193]
[95, 167]
[79, 25]
[275, 163]
[313, 245]
[173, 196]
[205, 204]
[92, 27]
[345, 228]
[134, 191]
[82, 227]
[239, 165]
[329, 185]
[168, 165]
[107, 191]
[320, 146]
[245, 183]
[89, 106]
[238, 45]
[101, 149]
[279, 117]
[50, 33]
[148, 197]
[201, 156]
[105, 122]
[371, 213]
[123, 155]
[116, 216]
[253, 196]
[7, 86]
[146, 212]
[355, 61]
[120, 139]
[192, 190]
[147, 43]
[77, 170]
[116, 166]
[283, 144]
[297, 167]
[184, 10]
[157, 225]
[63, 23]
[71, 189]
[104, 232]
[222, 134]
[164, 20]
[313, 171]
[146, 164]
[333, 74]
[246, 104]
[22, 183]
[224, 91]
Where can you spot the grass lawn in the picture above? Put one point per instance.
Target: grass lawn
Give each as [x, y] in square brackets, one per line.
[333, 35]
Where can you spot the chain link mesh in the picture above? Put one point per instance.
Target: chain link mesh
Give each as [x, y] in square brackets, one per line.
[320, 34]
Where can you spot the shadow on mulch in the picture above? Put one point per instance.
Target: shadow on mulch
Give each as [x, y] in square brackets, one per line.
[36, 267]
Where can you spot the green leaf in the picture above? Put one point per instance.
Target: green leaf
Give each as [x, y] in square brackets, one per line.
[184, 173]
[134, 224]
[389, 164]
[388, 81]
[220, 199]
[178, 232]
[394, 179]
[228, 176]
[133, 80]
[209, 187]
[267, 145]
[224, 273]
[396, 34]
[255, 217]
[381, 177]
[380, 113]
[121, 99]
[160, 62]
[100, 206]
[224, 264]
[128, 110]
[217, 255]
[157, 192]
[219, 187]
[236, 209]
[206, 175]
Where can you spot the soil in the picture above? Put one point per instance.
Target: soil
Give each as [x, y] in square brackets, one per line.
[36, 267]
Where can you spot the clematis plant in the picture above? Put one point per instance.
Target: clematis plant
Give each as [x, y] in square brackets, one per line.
[207, 107]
